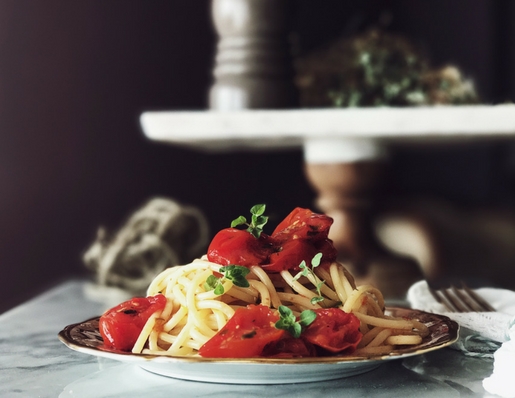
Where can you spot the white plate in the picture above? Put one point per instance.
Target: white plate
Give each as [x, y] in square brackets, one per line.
[85, 337]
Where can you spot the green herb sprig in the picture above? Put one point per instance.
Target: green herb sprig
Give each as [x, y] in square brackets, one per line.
[235, 273]
[306, 271]
[289, 322]
[257, 222]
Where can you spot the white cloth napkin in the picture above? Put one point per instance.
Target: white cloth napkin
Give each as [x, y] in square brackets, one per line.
[501, 381]
[485, 334]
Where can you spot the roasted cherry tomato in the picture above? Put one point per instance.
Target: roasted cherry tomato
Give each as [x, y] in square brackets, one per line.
[334, 330]
[303, 224]
[299, 237]
[238, 247]
[289, 347]
[245, 335]
[291, 254]
[326, 247]
[120, 326]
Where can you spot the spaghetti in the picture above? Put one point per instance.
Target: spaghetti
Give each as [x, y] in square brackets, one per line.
[194, 313]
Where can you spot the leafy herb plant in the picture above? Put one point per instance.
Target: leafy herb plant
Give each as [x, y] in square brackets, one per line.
[235, 273]
[307, 271]
[257, 222]
[289, 322]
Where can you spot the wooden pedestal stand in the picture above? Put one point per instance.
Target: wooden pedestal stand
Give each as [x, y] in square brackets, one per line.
[347, 192]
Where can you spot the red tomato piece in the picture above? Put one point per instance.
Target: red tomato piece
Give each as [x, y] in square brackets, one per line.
[291, 254]
[239, 247]
[326, 247]
[303, 224]
[245, 335]
[299, 237]
[289, 347]
[334, 330]
[121, 325]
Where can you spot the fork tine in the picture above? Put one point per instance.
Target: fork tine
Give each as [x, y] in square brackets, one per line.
[458, 305]
[441, 297]
[469, 304]
[461, 299]
[483, 305]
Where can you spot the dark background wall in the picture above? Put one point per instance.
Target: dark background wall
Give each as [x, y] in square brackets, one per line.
[75, 76]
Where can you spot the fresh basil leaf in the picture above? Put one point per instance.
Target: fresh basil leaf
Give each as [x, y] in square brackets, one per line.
[306, 271]
[258, 210]
[288, 321]
[307, 317]
[219, 289]
[242, 282]
[284, 311]
[237, 274]
[296, 330]
[281, 324]
[315, 262]
[211, 283]
[256, 233]
[257, 222]
[238, 221]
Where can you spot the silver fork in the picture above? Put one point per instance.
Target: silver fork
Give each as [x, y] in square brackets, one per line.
[461, 299]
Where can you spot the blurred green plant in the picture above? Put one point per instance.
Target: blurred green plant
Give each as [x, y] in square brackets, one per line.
[378, 69]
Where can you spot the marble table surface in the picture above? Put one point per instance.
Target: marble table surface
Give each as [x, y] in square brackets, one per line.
[34, 363]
